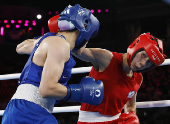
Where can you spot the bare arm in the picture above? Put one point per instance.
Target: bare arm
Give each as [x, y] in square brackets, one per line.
[100, 58]
[57, 55]
[26, 46]
[131, 104]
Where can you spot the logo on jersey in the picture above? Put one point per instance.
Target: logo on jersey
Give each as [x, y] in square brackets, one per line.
[95, 93]
[131, 94]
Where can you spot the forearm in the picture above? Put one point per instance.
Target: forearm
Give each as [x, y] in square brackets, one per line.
[26, 46]
[130, 108]
[24, 50]
[75, 92]
[57, 91]
[86, 55]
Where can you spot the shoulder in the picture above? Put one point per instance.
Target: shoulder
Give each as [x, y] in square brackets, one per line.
[117, 55]
[116, 58]
[102, 58]
[57, 42]
[57, 45]
[103, 52]
[102, 55]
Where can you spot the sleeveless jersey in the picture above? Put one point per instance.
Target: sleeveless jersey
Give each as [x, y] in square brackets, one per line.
[32, 73]
[118, 87]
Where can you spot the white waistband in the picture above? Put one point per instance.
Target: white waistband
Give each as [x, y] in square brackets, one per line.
[31, 93]
[85, 116]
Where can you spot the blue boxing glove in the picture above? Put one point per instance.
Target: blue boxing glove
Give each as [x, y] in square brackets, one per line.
[87, 91]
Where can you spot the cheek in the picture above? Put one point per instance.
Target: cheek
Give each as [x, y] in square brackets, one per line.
[132, 64]
[136, 59]
[133, 61]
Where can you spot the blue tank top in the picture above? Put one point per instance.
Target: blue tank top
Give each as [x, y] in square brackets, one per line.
[32, 73]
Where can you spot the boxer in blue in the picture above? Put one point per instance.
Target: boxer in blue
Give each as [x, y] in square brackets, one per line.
[45, 75]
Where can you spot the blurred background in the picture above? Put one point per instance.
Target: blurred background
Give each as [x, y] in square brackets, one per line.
[121, 22]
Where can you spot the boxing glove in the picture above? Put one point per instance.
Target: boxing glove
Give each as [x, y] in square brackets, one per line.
[128, 118]
[53, 24]
[87, 91]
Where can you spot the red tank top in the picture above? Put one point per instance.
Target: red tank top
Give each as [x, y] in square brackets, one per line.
[118, 87]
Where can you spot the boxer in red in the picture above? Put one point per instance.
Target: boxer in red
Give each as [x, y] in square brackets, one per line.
[121, 75]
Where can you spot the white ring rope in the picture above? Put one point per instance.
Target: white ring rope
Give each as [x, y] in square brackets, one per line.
[74, 71]
[148, 104]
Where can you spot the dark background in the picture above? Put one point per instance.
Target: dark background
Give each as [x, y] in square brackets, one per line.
[125, 20]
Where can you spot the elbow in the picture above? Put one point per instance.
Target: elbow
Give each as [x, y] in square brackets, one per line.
[17, 49]
[46, 91]
[43, 92]
[56, 91]
[130, 108]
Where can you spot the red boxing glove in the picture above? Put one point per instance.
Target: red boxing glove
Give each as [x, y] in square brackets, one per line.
[128, 118]
[53, 24]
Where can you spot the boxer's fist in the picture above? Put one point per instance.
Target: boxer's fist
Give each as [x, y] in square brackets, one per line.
[87, 91]
[53, 24]
[128, 118]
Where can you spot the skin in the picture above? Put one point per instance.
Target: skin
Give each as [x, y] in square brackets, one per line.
[100, 58]
[141, 61]
[52, 53]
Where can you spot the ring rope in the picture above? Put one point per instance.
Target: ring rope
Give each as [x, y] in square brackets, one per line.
[74, 71]
[17, 75]
[148, 104]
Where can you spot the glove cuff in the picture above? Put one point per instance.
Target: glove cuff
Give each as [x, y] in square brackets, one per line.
[68, 93]
[74, 92]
